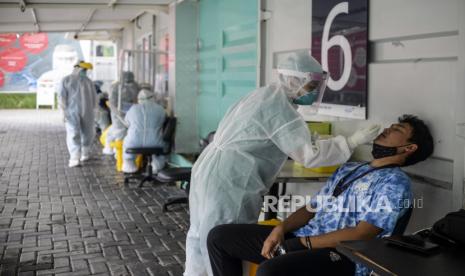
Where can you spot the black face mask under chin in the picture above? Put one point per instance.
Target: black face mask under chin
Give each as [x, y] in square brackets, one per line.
[379, 151]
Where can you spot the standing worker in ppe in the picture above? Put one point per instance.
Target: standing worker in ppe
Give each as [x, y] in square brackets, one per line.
[145, 123]
[77, 98]
[251, 145]
[129, 90]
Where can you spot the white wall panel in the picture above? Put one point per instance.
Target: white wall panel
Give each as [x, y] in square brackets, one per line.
[400, 18]
[422, 88]
[435, 203]
[415, 49]
[289, 28]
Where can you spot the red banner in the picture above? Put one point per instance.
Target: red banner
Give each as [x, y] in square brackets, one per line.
[12, 59]
[7, 39]
[34, 42]
[2, 78]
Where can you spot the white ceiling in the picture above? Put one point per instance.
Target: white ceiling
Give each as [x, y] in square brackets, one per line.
[81, 16]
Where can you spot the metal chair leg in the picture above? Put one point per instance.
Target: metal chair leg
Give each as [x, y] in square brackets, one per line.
[149, 176]
[174, 200]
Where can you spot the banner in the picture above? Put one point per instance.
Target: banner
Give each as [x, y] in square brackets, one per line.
[28, 57]
[34, 42]
[12, 59]
[2, 78]
[7, 39]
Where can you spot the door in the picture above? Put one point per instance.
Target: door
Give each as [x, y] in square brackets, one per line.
[228, 57]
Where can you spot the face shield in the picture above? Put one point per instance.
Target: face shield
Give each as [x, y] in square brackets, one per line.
[306, 88]
[83, 68]
[303, 79]
[145, 96]
[84, 72]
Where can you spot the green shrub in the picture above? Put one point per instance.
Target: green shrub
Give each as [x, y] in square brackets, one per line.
[17, 100]
[13, 100]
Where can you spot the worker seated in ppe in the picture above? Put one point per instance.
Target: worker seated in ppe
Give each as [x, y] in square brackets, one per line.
[158, 98]
[129, 89]
[359, 201]
[77, 98]
[102, 113]
[250, 147]
[145, 129]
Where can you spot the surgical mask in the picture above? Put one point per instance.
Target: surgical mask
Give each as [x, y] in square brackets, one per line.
[307, 99]
[83, 73]
[380, 151]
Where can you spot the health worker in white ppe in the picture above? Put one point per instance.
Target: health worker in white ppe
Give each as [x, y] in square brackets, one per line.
[250, 147]
[78, 99]
[145, 124]
[129, 91]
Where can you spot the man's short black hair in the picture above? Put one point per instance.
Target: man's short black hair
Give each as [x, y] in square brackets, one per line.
[421, 136]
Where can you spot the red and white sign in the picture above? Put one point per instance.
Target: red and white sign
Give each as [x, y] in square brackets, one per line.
[2, 79]
[7, 39]
[12, 59]
[34, 42]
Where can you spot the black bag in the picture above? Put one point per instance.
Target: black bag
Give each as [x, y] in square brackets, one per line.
[451, 228]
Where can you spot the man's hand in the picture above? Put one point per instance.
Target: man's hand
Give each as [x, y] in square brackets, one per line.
[363, 136]
[275, 238]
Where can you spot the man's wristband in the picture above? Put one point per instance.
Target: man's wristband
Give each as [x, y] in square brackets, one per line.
[309, 243]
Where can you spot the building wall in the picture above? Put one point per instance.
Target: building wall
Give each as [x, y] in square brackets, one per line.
[416, 66]
[184, 76]
[127, 40]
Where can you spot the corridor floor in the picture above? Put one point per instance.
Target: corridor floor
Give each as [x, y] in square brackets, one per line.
[56, 220]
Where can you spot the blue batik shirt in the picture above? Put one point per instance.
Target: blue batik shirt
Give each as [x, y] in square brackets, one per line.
[380, 198]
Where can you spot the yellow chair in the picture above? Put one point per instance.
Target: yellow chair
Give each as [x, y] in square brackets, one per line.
[103, 137]
[252, 266]
[118, 146]
[326, 169]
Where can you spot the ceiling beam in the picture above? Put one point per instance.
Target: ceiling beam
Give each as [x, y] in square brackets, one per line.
[123, 6]
[58, 22]
[62, 27]
[36, 22]
[89, 18]
[55, 30]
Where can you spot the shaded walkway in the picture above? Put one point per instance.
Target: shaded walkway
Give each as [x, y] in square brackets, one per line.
[77, 221]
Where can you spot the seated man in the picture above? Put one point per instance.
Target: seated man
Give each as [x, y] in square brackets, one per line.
[362, 201]
[145, 122]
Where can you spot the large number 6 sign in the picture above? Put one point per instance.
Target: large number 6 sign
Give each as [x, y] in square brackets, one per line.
[337, 40]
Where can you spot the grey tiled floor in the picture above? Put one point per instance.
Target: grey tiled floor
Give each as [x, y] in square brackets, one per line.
[56, 220]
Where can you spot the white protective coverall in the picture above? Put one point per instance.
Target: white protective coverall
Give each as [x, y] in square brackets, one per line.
[145, 123]
[78, 99]
[250, 147]
[129, 91]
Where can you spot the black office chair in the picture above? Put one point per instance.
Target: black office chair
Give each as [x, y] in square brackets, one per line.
[171, 175]
[183, 174]
[169, 128]
[402, 222]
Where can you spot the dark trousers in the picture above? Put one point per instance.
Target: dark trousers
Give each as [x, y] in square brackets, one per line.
[229, 244]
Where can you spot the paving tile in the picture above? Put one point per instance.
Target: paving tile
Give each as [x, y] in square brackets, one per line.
[56, 220]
